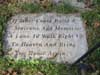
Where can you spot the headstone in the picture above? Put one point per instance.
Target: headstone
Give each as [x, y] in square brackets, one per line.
[75, 3]
[48, 36]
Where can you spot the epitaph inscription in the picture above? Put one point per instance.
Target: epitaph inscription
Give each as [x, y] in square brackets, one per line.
[56, 37]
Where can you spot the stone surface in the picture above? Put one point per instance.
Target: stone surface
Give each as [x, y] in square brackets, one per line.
[56, 37]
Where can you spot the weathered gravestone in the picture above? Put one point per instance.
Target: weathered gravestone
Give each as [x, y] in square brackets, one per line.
[51, 36]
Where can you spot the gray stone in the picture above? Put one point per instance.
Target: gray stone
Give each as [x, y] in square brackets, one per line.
[56, 37]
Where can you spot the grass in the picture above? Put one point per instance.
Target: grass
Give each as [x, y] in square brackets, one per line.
[33, 67]
[37, 8]
[92, 19]
[46, 67]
